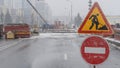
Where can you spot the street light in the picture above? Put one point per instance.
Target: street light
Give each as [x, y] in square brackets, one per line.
[71, 9]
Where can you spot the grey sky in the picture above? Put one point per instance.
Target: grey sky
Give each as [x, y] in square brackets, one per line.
[62, 7]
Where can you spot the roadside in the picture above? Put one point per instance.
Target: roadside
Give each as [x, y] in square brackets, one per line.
[115, 43]
[4, 44]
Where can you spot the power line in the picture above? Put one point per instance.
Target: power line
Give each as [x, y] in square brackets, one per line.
[37, 12]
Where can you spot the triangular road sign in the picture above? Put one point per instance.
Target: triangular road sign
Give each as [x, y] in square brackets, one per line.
[95, 22]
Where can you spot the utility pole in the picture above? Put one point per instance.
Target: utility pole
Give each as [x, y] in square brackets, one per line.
[71, 11]
[90, 4]
[71, 14]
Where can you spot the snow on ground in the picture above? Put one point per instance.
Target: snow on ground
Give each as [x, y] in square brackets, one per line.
[55, 35]
[59, 35]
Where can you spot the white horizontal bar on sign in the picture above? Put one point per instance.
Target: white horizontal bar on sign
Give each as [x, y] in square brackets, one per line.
[95, 50]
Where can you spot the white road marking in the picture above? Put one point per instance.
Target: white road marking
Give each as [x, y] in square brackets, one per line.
[7, 46]
[96, 50]
[65, 56]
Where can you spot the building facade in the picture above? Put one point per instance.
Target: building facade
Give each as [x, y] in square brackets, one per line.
[45, 11]
[22, 12]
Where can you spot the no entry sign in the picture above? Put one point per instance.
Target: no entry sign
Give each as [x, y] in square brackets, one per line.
[95, 50]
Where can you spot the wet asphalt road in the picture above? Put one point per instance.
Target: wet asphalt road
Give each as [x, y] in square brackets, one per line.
[51, 53]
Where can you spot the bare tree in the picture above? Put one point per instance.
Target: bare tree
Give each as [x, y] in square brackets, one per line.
[8, 18]
[1, 17]
[78, 20]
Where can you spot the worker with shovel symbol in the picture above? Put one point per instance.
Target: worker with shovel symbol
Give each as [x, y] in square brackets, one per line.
[94, 20]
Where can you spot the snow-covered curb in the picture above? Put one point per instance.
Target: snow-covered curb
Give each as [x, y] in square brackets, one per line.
[114, 42]
[111, 39]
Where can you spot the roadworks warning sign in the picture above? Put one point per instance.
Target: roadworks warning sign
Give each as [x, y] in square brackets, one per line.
[95, 22]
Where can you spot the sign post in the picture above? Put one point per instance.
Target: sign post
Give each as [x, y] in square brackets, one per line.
[94, 66]
[95, 49]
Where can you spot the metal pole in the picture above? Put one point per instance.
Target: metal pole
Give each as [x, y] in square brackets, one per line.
[71, 12]
[94, 66]
[90, 4]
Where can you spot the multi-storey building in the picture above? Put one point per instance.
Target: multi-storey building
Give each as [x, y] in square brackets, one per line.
[45, 11]
[22, 12]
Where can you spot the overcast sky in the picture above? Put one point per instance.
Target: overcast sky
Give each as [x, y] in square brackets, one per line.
[62, 7]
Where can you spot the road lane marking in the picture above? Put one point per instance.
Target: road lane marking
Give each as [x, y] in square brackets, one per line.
[65, 56]
[96, 50]
[7, 46]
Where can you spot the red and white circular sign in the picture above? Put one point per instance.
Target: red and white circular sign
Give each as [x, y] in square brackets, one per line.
[95, 50]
